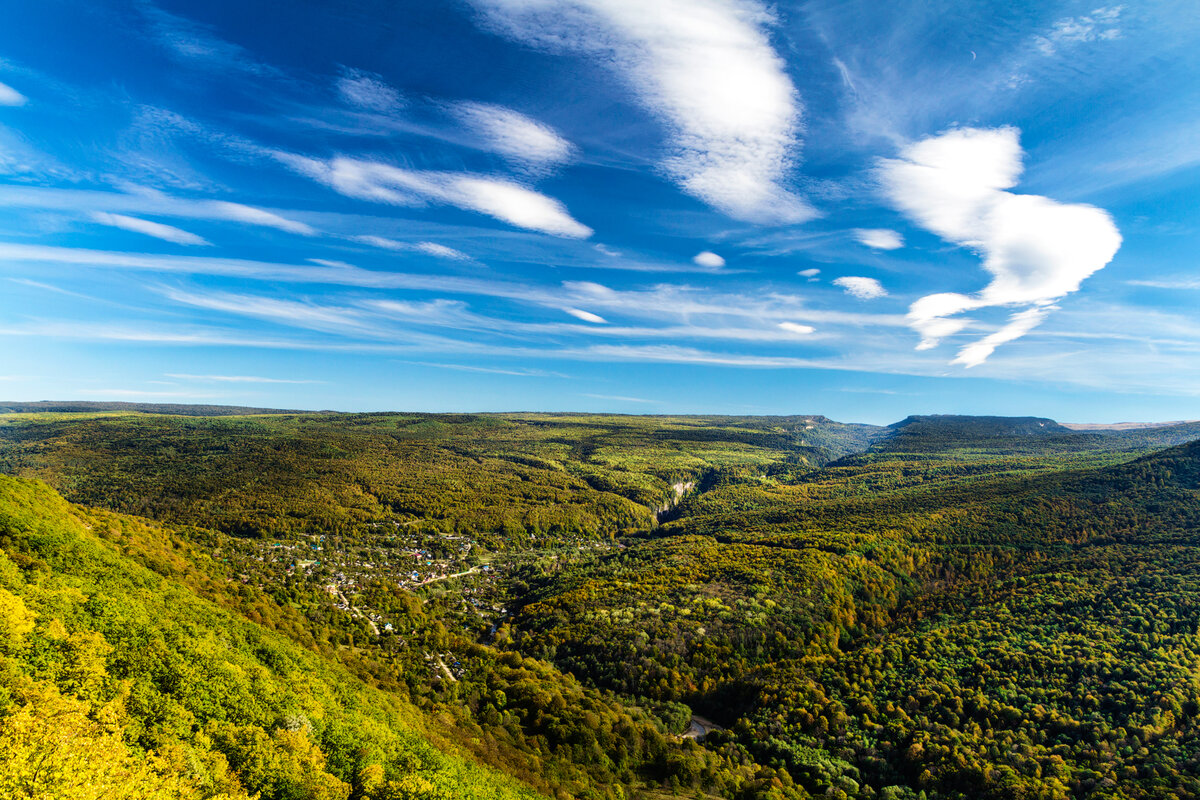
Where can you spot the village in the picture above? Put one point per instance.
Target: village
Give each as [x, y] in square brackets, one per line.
[454, 571]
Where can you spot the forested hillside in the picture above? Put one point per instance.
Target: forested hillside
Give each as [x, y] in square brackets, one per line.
[119, 682]
[949, 607]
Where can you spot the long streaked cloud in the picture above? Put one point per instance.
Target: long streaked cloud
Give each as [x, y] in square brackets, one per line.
[1154, 366]
[620, 398]
[658, 302]
[237, 212]
[516, 372]
[10, 96]
[496, 197]
[428, 248]
[146, 227]
[1037, 250]
[235, 378]
[514, 135]
[1183, 282]
[706, 70]
[384, 319]
[146, 202]
[298, 313]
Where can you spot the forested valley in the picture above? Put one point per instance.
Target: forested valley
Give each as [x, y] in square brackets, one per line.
[223, 603]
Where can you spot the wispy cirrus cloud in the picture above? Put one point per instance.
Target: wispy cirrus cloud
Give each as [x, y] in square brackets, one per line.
[237, 212]
[499, 198]
[1102, 24]
[148, 202]
[10, 96]
[1037, 250]
[146, 227]
[622, 398]
[707, 71]
[192, 42]
[516, 372]
[1182, 282]
[368, 91]
[235, 378]
[296, 313]
[514, 135]
[428, 248]
[696, 312]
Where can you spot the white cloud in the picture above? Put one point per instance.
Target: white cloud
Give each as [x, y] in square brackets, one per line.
[1100, 25]
[148, 228]
[1018, 325]
[706, 70]
[193, 41]
[367, 91]
[879, 238]
[521, 373]
[295, 313]
[586, 316]
[10, 96]
[929, 317]
[514, 204]
[1169, 283]
[862, 288]
[441, 251]
[383, 242]
[809, 273]
[428, 248]
[795, 327]
[688, 304]
[145, 201]
[512, 134]
[495, 197]
[237, 212]
[233, 378]
[696, 313]
[709, 259]
[1036, 249]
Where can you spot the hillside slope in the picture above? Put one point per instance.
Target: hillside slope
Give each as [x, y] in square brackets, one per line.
[117, 682]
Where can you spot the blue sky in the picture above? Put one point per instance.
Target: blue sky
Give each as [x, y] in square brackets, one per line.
[859, 209]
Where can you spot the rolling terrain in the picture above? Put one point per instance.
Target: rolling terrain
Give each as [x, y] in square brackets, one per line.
[949, 606]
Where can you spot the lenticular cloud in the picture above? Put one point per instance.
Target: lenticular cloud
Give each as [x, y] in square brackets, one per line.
[1037, 250]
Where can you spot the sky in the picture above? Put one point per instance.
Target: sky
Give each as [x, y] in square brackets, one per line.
[858, 209]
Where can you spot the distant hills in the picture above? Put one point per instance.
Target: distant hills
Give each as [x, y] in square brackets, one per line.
[958, 425]
[1023, 435]
[1123, 426]
[178, 409]
[961, 425]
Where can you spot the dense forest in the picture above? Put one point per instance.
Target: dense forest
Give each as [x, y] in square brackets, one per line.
[221, 604]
